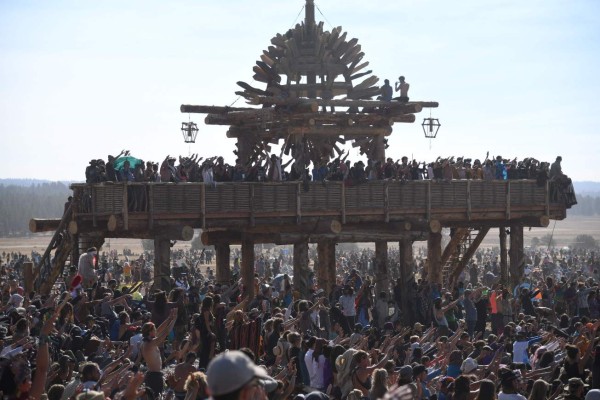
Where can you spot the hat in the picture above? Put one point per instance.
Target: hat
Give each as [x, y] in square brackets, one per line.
[90, 395]
[507, 375]
[418, 326]
[316, 395]
[16, 300]
[574, 384]
[406, 372]
[231, 371]
[468, 366]
[91, 249]
[388, 326]
[593, 394]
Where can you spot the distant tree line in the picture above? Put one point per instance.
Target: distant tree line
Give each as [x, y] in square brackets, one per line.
[18, 204]
[586, 205]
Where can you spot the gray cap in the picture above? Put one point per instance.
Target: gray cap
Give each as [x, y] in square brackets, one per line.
[233, 370]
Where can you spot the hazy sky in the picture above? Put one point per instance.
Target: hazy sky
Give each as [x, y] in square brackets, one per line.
[83, 79]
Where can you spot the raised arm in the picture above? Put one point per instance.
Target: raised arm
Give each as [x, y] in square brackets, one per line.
[163, 330]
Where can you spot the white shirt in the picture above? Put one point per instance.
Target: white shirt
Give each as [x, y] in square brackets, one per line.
[348, 306]
[308, 361]
[317, 378]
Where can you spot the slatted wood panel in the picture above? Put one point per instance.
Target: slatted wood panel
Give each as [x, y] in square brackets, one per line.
[282, 197]
[449, 194]
[108, 198]
[527, 193]
[225, 197]
[368, 195]
[487, 194]
[321, 196]
[273, 197]
[407, 194]
[177, 198]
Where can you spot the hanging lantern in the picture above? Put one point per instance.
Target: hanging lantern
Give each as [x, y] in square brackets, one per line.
[189, 131]
[430, 127]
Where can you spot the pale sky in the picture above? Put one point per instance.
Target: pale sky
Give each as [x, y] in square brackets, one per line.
[84, 79]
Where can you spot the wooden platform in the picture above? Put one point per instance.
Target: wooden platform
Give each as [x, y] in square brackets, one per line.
[416, 205]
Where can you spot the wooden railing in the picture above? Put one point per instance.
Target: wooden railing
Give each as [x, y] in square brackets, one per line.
[293, 199]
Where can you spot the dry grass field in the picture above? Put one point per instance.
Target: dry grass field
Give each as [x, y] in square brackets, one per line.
[563, 232]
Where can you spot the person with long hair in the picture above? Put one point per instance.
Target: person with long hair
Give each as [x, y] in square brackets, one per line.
[539, 390]
[462, 388]
[379, 387]
[207, 336]
[317, 372]
[361, 371]
[487, 390]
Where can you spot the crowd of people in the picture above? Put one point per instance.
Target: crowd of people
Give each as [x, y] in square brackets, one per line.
[111, 335]
[271, 168]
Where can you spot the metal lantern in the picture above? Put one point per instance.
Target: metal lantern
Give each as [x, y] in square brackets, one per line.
[189, 131]
[430, 127]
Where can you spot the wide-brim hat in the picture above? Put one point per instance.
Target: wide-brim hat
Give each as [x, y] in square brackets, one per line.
[233, 370]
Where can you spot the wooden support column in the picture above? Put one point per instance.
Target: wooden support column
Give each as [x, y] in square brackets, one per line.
[28, 277]
[406, 279]
[503, 256]
[222, 253]
[517, 255]
[162, 263]
[326, 254]
[382, 281]
[379, 153]
[434, 257]
[248, 268]
[301, 270]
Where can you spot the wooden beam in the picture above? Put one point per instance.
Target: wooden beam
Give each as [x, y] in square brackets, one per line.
[468, 255]
[222, 255]
[339, 130]
[434, 257]
[453, 246]
[301, 270]
[198, 109]
[517, 254]
[37, 225]
[248, 268]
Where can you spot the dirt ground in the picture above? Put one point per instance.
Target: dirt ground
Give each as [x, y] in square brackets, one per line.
[563, 233]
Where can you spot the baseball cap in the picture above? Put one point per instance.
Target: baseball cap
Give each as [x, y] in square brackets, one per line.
[231, 371]
[468, 366]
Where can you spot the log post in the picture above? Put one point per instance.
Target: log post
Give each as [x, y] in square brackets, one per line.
[248, 268]
[406, 279]
[434, 257]
[503, 256]
[162, 263]
[28, 276]
[326, 264]
[301, 270]
[517, 255]
[222, 253]
[379, 153]
[382, 281]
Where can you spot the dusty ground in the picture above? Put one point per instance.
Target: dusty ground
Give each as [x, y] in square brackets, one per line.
[564, 232]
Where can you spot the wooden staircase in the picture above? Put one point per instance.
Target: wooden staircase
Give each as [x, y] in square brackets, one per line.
[462, 246]
[50, 268]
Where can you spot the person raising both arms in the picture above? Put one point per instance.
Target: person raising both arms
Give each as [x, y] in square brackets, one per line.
[152, 339]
